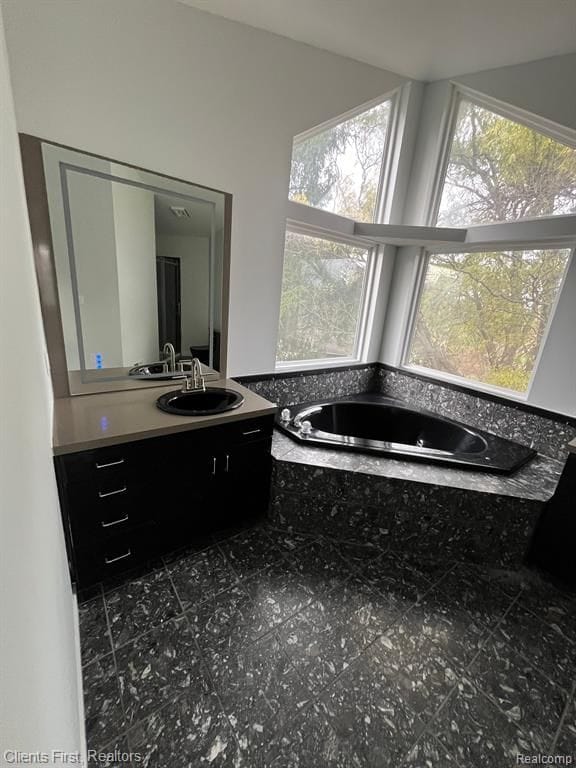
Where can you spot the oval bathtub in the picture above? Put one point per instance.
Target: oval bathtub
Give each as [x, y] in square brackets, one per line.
[382, 425]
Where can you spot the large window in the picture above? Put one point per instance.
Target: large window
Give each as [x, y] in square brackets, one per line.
[501, 170]
[322, 292]
[338, 169]
[483, 316]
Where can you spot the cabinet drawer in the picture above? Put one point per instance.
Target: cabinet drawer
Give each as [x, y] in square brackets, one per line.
[248, 431]
[105, 465]
[98, 518]
[115, 554]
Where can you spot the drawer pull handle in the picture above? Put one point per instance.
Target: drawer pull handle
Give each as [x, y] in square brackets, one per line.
[227, 463]
[110, 560]
[112, 493]
[114, 522]
[252, 432]
[214, 465]
[110, 464]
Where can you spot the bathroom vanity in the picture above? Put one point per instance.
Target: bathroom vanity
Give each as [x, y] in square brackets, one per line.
[133, 271]
[135, 482]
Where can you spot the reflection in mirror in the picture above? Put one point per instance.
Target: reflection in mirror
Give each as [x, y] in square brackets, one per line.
[138, 260]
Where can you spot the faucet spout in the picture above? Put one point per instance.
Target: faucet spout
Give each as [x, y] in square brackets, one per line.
[170, 355]
[196, 379]
[197, 374]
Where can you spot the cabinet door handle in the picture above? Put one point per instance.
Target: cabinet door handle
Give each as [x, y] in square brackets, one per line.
[110, 560]
[227, 467]
[114, 522]
[110, 464]
[214, 465]
[252, 432]
[112, 493]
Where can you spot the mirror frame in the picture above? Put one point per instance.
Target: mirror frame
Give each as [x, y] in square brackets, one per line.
[45, 265]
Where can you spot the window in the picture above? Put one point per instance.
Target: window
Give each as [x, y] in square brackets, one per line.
[338, 169]
[483, 316]
[322, 297]
[501, 170]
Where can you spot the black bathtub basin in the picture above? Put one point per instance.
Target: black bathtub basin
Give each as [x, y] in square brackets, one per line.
[382, 425]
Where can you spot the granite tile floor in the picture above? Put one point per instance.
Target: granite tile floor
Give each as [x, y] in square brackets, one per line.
[270, 650]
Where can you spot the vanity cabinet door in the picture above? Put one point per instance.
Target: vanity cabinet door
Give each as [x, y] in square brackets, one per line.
[245, 487]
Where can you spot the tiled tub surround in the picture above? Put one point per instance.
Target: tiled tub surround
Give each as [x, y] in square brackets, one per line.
[409, 506]
[547, 433]
[267, 650]
[474, 517]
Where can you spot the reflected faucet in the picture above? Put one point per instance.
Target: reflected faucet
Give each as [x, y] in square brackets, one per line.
[170, 355]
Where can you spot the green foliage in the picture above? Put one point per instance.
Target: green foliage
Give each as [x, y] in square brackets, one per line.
[339, 169]
[321, 291]
[500, 170]
[483, 315]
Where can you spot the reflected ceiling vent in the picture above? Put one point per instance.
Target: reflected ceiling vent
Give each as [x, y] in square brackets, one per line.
[179, 212]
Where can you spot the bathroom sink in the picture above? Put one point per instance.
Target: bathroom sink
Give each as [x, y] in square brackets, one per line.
[200, 402]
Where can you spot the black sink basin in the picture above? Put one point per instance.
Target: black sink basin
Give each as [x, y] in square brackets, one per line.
[200, 402]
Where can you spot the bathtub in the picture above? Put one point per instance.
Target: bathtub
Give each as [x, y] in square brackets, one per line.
[382, 425]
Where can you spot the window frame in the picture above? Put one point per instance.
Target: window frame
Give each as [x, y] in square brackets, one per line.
[317, 225]
[363, 321]
[514, 241]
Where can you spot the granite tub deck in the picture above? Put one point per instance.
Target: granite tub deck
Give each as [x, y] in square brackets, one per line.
[410, 506]
[269, 650]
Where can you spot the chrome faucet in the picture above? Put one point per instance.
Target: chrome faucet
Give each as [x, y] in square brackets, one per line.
[197, 374]
[169, 355]
[196, 380]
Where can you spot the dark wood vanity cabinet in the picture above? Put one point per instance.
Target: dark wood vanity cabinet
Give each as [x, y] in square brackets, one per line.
[125, 504]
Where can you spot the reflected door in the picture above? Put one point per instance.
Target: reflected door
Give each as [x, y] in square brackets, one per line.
[169, 318]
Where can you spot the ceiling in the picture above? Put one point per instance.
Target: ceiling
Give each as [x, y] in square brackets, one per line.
[421, 39]
[198, 225]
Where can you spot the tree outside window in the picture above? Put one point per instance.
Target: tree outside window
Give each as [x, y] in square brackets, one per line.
[483, 316]
[338, 169]
[322, 289]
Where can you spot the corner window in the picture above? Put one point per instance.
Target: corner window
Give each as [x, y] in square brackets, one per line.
[338, 169]
[483, 316]
[501, 170]
[322, 299]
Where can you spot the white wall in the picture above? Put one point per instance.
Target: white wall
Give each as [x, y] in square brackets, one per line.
[555, 385]
[92, 217]
[167, 87]
[544, 87]
[39, 698]
[135, 235]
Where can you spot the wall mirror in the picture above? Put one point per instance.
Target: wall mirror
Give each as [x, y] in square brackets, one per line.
[134, 266]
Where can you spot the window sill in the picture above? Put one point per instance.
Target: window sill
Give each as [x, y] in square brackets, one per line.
[316, 365]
